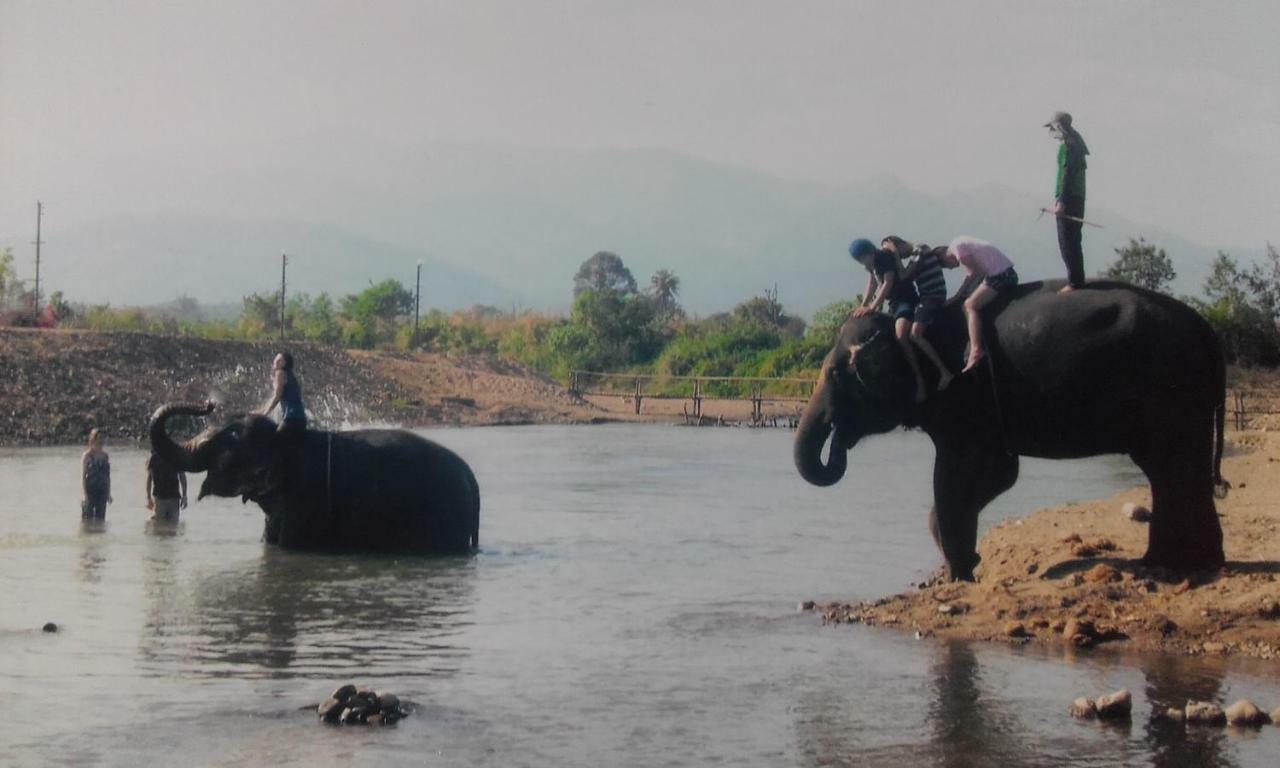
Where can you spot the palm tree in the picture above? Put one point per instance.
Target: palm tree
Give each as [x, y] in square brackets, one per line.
[665, 286]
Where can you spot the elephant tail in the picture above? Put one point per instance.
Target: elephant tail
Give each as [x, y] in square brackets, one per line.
[475, 510]
[1221, 486]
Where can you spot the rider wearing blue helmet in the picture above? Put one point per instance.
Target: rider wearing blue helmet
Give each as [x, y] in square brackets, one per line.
[885, 283]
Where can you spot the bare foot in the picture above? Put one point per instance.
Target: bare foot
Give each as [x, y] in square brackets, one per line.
[973, 361]
[1068, 288]
[945, 380]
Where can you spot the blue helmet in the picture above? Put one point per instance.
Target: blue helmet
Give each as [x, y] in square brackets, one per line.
[861, 248]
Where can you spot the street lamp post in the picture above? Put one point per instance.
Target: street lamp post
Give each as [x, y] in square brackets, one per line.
[417, 298]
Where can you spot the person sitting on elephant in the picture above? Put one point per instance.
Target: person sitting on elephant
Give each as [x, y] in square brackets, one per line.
[287, 393]
[988, 274]
[921, 266]
[886, 284]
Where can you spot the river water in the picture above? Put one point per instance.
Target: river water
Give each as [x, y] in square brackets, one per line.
[633, 604]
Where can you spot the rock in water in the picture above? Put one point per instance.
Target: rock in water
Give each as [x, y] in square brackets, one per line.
[388, 702]
[344, 693]
[50, 627]
[1205, 713]
[1246, 713]
[1115, 706]
[1083, 709]
[331, 710]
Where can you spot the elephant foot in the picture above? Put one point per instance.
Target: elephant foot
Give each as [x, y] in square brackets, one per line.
[964, 571]
[1184, 562]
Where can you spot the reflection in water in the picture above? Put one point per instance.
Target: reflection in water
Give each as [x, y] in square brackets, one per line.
[293, 615]
[1170, 682]
[970, 727]
[93, 554]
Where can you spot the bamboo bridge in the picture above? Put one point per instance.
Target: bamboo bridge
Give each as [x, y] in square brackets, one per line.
[758, 390]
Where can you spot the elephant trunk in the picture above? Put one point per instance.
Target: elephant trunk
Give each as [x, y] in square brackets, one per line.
[187, 457]
[811, 436]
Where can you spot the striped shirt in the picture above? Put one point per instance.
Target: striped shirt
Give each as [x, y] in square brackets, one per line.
[928, 276]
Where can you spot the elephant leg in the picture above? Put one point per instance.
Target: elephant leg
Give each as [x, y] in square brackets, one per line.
[965, 480]
[1185, 534]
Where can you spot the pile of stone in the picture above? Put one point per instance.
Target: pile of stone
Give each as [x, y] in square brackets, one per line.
[350, 705]
[1113, 706]
[1119, 705]
[1243, 713]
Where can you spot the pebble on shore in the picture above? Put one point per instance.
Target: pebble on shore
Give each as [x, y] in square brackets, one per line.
[1083, 709]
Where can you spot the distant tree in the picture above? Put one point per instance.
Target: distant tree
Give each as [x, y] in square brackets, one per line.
[372, 314]
[1141, 263]
[1264, 283]
[604, 271]
[11, 288]
[261, 314]
[61, 308]
[664, 286]
[1225, 283]
[827, 320]
[766, 312]
[1246, 331]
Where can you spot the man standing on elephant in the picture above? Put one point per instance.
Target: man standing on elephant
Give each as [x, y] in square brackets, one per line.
[1068, 193]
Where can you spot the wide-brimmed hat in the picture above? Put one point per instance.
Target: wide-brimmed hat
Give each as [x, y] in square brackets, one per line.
[1059, 118]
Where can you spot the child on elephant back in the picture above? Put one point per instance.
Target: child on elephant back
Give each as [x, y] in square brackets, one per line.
[885, 284]
[989, 273]
[922, 266]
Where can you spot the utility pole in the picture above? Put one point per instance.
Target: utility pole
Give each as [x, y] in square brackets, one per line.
[284, 262]
[35, 304]
[417, 299]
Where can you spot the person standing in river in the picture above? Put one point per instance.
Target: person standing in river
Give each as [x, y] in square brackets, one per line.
[1068, 193]
[170, 489]
[95, 478]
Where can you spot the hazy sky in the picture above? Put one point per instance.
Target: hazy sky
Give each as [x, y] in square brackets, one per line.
[1179, 101]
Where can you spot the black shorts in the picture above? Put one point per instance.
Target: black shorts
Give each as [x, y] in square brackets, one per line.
[928, 308]
[1002, 282]
[904, 309]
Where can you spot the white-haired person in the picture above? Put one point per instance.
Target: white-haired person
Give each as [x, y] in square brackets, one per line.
[988, 273]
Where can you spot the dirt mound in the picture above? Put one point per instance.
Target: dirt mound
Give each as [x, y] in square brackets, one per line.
[62, 383]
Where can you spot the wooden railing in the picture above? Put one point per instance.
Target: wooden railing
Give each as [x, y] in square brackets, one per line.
[696, 389]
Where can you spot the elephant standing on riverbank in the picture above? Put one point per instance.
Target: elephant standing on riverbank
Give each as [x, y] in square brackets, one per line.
[1109, 368]
[368, 490]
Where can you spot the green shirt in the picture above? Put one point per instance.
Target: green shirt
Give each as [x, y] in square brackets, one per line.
[1071, 165]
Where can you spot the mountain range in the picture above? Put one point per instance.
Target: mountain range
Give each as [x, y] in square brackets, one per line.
[509, 229]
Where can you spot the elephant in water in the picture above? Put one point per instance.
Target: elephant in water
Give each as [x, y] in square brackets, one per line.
[1109, 368]
[368, 490]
